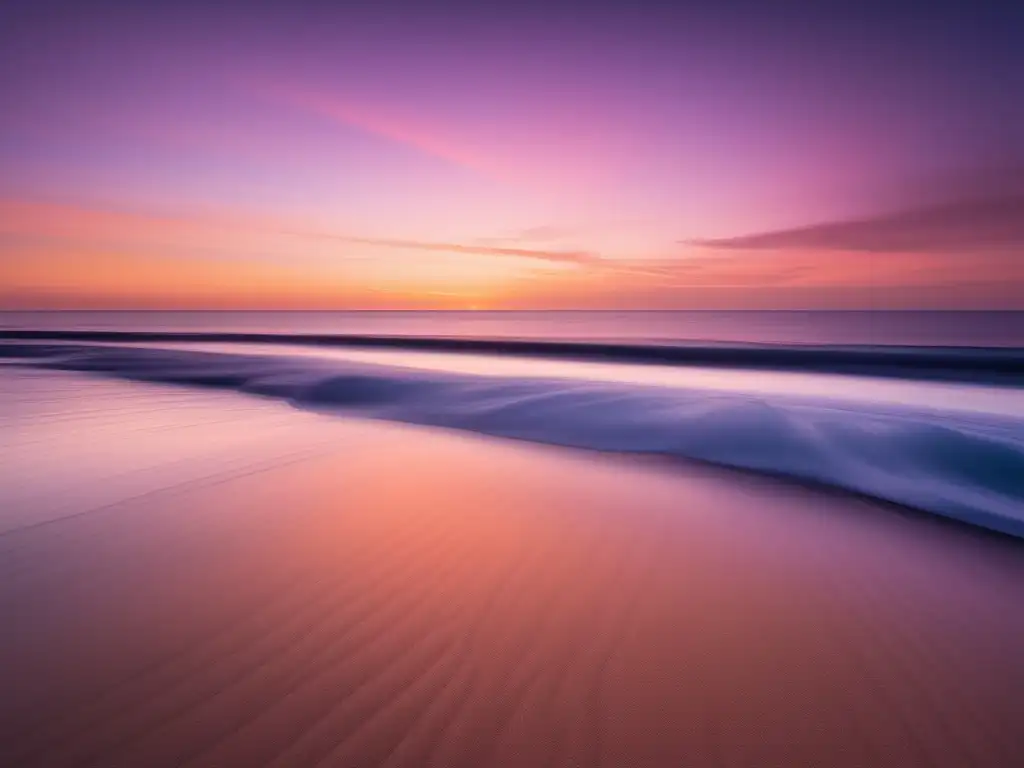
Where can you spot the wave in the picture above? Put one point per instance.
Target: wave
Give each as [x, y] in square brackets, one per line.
[969, 467]
[1001, 365]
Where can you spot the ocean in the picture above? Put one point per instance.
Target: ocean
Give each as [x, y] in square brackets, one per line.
[874, 328]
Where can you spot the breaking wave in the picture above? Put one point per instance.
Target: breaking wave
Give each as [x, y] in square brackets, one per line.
[964, 466]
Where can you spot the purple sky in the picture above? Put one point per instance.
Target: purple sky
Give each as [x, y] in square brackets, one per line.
[557, 154]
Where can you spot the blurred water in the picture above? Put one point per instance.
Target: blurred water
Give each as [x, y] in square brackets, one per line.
[956, 450]
[924, 328]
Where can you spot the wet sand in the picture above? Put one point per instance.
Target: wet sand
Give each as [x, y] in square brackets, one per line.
[362, 594]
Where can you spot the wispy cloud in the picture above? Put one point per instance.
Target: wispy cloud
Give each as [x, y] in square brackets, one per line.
[713, 272]
[961, 226]
[573, 257]
[403, 130]
[542, 234]
[98, 226]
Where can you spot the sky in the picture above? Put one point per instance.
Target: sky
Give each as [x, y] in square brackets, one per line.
[427, 155]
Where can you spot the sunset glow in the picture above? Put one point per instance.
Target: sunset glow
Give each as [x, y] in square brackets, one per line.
[365, 159]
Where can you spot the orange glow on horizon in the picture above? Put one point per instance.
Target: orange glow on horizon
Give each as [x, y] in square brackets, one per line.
[67, 256]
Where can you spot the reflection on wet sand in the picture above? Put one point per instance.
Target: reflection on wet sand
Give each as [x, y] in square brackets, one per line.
[400, 596]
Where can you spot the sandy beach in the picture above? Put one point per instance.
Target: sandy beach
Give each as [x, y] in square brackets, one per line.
[319, 591]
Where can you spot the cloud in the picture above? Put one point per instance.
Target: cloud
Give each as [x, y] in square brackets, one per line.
[98, 227]
[713, 272]
[572, 257]
[425, 140]
[963, 226]
[543, 234]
